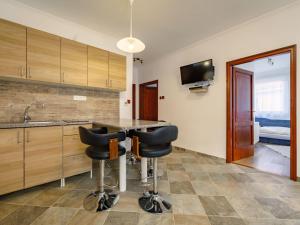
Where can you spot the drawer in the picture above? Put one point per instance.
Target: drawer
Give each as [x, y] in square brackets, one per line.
[76, 164]
[72, 145]
[73, 129]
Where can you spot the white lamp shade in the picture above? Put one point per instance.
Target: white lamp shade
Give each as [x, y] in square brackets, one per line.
[131, 45]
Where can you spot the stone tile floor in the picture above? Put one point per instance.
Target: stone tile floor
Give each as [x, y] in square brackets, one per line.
[203, 190]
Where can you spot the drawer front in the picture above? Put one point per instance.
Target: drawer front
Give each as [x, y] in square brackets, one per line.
[73, 146]
[73, 129]
[76, 164]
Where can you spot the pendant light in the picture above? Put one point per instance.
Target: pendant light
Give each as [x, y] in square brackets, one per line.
[131, 44]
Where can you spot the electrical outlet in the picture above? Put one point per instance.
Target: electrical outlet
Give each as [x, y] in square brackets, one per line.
[79, 98]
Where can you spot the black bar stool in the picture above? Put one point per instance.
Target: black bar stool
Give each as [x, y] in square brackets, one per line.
[102, 146]
[153, 145]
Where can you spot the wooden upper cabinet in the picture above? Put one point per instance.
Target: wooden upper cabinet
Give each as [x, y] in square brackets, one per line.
[11, 163]
[117, 72]
[43, 155]
[43, 56]
[73, 62]
[12, 50]
[97, 67]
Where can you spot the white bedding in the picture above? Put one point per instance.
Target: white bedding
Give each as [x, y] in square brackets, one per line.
[282, 133]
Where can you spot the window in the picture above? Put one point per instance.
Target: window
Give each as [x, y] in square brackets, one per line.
[270, 96]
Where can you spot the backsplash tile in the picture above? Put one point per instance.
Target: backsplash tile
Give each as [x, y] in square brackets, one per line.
[55, 102]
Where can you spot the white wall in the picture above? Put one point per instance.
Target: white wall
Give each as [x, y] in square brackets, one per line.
[20, 13]
[201, 118]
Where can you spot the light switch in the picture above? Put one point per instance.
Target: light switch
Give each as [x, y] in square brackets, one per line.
[79, 98]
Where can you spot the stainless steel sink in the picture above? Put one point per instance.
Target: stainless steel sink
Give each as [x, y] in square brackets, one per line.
[40, 122]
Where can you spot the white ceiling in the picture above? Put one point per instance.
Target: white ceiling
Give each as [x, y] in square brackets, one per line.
[262, 67]
[163, 25]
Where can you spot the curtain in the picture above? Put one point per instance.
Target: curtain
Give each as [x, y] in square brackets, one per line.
[272, 98]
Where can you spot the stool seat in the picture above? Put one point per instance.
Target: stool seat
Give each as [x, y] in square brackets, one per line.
[97, 153]
[154, 151]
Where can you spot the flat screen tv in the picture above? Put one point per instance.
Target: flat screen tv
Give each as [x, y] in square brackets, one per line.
[197, 72]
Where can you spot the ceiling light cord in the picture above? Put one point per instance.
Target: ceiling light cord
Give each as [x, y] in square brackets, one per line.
[131, 3]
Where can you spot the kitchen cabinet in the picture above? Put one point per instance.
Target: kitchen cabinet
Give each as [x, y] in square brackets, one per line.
[43, 56]
[11, 163]
[117, 72]
[75, 161]
[12, 50]
[43, 155]
[97, 67]
[73, 62]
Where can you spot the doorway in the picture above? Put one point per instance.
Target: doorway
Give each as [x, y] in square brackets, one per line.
[149, 101]
[261, 112]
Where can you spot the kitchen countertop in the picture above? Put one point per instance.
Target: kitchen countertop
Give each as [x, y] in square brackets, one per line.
[123, 124]
[43, 123]
[127, 124]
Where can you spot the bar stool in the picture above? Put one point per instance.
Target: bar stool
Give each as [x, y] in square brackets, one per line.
[102, 146]
[153, 145]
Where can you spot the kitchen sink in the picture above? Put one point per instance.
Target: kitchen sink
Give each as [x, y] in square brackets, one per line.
[40, 122]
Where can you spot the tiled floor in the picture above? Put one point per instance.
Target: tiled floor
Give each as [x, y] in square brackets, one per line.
[268, 160]
[203, 191]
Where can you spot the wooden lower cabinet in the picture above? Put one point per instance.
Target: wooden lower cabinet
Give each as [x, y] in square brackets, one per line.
[11, 160]
[75, 160]
[43, 155]
[76, 164]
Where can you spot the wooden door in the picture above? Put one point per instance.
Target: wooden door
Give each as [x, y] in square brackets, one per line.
[133, 101]
[43, 56]
[117, 72]
[43, 155]
[11, 163]
[243, 114]
[12, 50]
[73, 62]
[97, 67]
[149, 102]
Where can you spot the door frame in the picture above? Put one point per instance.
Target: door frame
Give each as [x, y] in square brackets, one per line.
[141, 97]
[293, 103]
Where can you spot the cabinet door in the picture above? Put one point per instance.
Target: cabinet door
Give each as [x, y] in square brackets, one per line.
[12, 50]
[43, 56]
[73, 62]
[76, 164]
[43, 155]
[97, 67]
[117, 72]
[11, 163]
[73, 146]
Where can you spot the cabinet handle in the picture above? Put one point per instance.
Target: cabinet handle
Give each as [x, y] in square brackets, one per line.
[63, 77]
[27, 137]
[110, 83]
[29, 74]
[21, 71]
[106, 83]
[18, 138]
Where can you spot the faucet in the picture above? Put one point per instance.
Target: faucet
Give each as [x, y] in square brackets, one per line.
[26, 115]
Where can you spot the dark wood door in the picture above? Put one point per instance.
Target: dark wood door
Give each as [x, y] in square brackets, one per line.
[150, 103]
[133, 101]
[243, 114]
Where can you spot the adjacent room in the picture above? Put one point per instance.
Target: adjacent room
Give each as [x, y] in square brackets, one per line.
[138, 112]
[270, 115]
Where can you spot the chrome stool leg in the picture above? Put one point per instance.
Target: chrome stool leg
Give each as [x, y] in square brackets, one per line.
[151, 201]
[101, 199]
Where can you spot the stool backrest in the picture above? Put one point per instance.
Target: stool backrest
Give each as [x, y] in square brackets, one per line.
[88, 137]
[160, 136]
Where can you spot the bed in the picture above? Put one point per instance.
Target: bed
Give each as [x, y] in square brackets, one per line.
[273, 131]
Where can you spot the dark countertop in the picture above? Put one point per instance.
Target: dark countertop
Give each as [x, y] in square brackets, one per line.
[43, 123]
